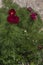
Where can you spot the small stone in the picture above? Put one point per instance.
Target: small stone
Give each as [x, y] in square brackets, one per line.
[33, 40]
[41, 30]
[25, 31]
[28, 38]
[7, 7]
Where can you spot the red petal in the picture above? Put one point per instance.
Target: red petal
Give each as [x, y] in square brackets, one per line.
[13, 19]
[33, 16]
[11, 12]
[29, 9]
[16, 18]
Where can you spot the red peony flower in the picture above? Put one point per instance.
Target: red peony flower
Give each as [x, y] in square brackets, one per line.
[11, 12]
[13, 19]
[40, 47]
[33, 16]
[16, 19]
[29, 9]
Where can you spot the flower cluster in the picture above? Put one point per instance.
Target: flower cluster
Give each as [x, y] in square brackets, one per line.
[33, 15]
[12, 18]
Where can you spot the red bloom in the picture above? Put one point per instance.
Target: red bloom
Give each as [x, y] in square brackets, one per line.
[40, 47]
[33, 16]
[29, 9]
[13, 19]
[16, 19]
[11, 12]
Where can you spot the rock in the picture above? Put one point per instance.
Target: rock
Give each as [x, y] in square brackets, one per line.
[1, 3]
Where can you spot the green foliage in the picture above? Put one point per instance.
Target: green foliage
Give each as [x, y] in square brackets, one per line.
[18, 43]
